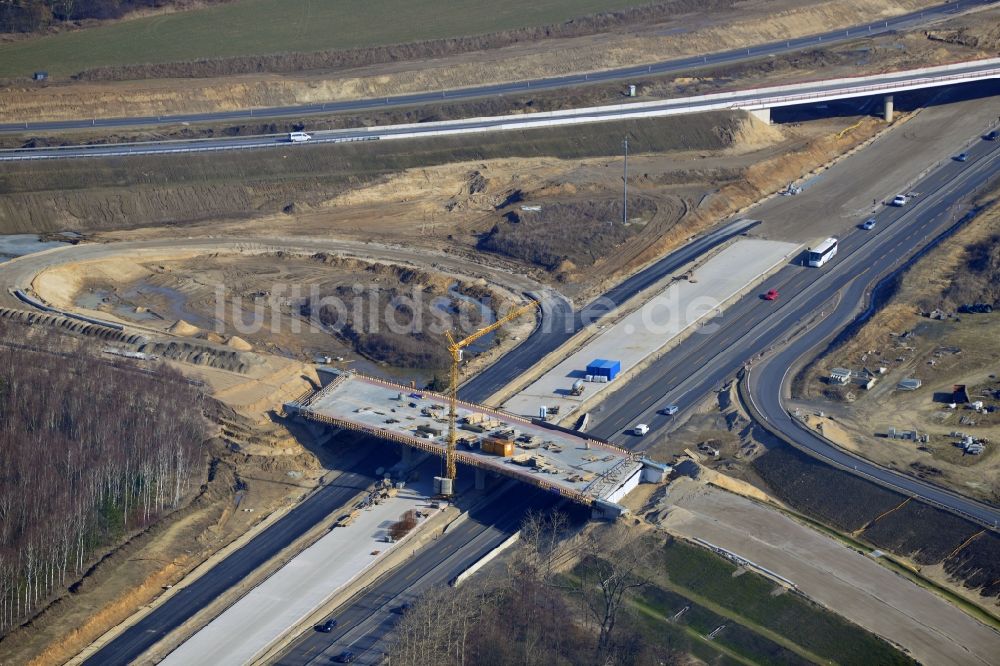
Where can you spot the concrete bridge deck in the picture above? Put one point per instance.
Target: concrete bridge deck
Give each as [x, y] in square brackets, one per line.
[585, 470]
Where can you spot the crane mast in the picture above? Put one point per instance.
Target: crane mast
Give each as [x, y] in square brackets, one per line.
[455, 349]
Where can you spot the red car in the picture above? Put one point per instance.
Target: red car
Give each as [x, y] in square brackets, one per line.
[771, 295]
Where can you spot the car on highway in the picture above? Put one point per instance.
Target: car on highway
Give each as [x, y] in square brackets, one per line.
[962, 157]
[326, 627]
[640, 429]
[992, 136]
[869, 224]
[298, 137]
[344, 657]
[403, 608]
[900, 200]
[771, 295]
[669, 410]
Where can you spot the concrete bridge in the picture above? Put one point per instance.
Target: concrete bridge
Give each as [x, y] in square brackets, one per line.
[584, 470]
[756, 100]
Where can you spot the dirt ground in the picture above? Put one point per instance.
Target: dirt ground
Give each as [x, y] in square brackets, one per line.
[371, 317]
[251, 469]
[719, 165]
[753, 23]
[846, 582]
[941, 352]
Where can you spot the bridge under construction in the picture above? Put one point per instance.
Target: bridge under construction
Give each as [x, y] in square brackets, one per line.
[564, 462]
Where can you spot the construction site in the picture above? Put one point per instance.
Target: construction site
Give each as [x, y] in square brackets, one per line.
[584, 470]
[406, 355]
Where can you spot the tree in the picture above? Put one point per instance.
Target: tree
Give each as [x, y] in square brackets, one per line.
[92, 450]
[607, 580]
[611, 566]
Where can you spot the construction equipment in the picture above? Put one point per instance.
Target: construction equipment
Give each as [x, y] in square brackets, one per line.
[455, 349]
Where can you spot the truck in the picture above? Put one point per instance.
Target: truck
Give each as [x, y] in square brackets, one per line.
[640, 429]
[298, 137]
[577, 388]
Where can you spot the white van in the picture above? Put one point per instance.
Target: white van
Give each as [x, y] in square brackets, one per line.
[297, 137]
[640, 429]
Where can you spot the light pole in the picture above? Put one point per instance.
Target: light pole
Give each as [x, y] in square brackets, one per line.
[625, 186]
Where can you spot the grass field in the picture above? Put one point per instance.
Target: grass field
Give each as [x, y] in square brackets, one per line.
[252, 27]
[749, 597]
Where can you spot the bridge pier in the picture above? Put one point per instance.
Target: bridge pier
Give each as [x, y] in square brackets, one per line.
[407, 457]
[480, 479]
[887, 110]
[762, 114]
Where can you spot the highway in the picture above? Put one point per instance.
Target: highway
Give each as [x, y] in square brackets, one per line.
[561, 322]
[194, 596]
[834, 294]
[494, 526]
[876, 27]
[367, 618]
[698, 366]
[755, 99]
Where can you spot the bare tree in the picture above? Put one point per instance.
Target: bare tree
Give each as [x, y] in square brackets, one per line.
[91, 451]
[612, 566]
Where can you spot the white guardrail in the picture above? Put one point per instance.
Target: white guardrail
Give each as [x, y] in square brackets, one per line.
[752, 99]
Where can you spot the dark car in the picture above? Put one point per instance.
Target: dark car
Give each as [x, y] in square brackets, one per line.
[771, 295]
[327, 626]
[403, 608]
[344, 657]
[962, 157]
[992, 136]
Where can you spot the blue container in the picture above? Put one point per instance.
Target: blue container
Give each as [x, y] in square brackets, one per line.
[604, 368]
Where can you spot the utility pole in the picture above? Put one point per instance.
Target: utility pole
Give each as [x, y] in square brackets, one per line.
[625, 186]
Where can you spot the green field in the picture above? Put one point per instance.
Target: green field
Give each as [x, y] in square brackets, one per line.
[749, 597]
[253, 27]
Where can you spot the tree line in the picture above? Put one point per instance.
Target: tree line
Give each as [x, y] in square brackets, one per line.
[563, 600]
[33, 15]
[91, 452]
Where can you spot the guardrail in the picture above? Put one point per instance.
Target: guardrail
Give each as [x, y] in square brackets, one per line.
[752, 99]
[746, 398]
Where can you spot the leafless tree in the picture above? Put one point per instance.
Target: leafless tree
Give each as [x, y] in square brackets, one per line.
[91, 452]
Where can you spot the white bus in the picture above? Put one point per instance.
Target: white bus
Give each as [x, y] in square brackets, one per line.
[823, 252]
[296, 137]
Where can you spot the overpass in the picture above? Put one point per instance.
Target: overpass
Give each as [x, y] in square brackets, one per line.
[757, 100]
[584, 470]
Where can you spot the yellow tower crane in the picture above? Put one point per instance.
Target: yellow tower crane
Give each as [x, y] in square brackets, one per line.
[455, 348]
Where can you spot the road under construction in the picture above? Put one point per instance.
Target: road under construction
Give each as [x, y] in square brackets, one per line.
[585, 470]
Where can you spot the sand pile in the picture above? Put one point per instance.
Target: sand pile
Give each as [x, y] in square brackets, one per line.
[236, 342]
[181, 327]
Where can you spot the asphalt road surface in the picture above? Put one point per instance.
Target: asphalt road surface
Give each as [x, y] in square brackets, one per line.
[805, 93]
[833, 294]
[364, 621]
[876, 27]
[560, 322]
[187, 601]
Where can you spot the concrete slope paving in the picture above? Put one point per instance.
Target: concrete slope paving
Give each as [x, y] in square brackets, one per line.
[850, 584]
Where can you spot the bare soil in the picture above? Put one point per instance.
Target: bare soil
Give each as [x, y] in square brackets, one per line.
[749, 23]
[446, 194]
[252, 468]
[826, 571]
[952, 552]
[377, 318]
[942, 350]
